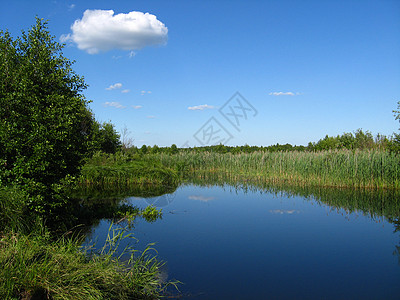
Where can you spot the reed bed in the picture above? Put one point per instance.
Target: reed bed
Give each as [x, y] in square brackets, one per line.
[119, 176]
[335, 168]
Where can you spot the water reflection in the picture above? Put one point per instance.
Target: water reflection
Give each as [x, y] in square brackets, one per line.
[378, 205]
[88, 205]
[372, 203]
[229, 240]
[253, 241]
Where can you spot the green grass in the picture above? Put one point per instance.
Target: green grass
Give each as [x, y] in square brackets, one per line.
[35, 267]
[118, 171]
[340, 168]
[12, 208]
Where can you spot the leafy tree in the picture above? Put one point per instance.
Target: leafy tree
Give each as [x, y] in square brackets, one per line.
[381, 141]
[155, 149]
[107, 138]
[327, 143]
[143, 149]
[363, 140]
[397, 112]
[46, 129]
[173, 149]
[221, 148]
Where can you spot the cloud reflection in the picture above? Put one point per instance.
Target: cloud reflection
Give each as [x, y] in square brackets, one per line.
[201, 198]
[284, 211]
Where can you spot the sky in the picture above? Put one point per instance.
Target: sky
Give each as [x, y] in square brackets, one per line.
[195, 73]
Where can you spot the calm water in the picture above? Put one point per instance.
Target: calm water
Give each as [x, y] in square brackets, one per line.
[227, 243]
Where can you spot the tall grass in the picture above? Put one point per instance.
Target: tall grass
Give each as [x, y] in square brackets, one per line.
[121, 176]
[14, 213]
[119, 171]
[34, 267]
[335, 168]
[12, 208]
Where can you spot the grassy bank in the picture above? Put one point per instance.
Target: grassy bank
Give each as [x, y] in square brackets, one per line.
[119, 171]
[35, 267]
[37, 262]
[340, 168]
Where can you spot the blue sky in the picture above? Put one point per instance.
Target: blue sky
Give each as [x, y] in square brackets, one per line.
[303, 69]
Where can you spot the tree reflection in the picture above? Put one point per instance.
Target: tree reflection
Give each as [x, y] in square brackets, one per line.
[87, 207]
[376, 204]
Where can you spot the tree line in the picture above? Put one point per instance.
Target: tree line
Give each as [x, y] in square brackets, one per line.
[357, 140]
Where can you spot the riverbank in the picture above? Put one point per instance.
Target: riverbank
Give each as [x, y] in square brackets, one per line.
[41, 255]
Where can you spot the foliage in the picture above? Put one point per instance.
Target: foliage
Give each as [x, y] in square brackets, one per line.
[46, 129]
[173, 149]
[397, 112]
[14, 214]
[121, 170]
[358, 139]
[106, 138]
[129, 213]
[395, 145]
[151, 214]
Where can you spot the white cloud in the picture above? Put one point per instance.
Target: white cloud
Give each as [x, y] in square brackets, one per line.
[151, 117]
[201, 198]
[125, 91]
[201, 107]
[114, 104]
[114, 86]
[145, 92]
[71, 7]
[137, 106]
[283, 94]
[101, 30]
